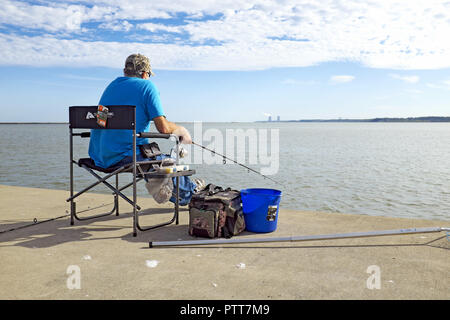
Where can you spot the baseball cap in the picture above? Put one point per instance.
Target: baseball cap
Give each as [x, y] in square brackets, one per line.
[138, 63]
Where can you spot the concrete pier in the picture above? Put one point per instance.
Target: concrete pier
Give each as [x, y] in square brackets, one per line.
[100, 259]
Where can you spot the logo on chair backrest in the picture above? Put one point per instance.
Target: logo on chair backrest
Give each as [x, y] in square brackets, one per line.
[89, 115]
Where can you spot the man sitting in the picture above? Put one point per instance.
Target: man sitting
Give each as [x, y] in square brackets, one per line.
[111, 148]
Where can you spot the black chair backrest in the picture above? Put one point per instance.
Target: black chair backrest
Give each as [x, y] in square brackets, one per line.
[119, 117]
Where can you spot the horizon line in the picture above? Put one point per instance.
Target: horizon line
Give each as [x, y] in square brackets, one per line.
[380, 119]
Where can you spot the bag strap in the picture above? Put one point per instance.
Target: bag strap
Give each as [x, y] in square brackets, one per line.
[213, 189]
[225, 232]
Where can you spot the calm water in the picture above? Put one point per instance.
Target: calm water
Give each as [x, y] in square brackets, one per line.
[388, 169]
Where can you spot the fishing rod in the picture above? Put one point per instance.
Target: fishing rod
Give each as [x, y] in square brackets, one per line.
[153, 244]
[36, 222]
[242, 165]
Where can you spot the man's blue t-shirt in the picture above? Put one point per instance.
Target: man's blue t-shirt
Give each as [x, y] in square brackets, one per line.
[107, 147]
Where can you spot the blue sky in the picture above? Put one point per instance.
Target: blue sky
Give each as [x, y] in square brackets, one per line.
[230, 60]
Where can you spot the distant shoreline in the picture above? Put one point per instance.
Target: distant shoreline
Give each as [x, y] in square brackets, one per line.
[410, 119]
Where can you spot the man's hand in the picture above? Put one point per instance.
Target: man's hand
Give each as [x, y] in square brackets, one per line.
[183, 134]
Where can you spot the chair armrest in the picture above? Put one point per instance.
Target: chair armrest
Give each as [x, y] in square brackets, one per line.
[154, 135]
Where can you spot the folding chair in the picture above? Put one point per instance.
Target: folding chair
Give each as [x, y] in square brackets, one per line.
[123, 118]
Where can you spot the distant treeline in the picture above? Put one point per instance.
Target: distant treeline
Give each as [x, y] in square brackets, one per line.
[417, 119]
[410, 119]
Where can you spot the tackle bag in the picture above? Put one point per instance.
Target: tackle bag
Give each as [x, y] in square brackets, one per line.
[215, 212]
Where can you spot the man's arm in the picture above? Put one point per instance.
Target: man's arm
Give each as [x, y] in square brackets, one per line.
[165, 126]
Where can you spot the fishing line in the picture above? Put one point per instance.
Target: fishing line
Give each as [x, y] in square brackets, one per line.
[242, 165]
[286, 189]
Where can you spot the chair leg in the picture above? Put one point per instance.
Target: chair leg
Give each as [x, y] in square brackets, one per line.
[174, 217]
[177, 202]
[116, 197]
[72, 212]
[116, 193]
[103, 180]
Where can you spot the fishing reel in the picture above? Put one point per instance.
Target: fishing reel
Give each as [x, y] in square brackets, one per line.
[182, 152]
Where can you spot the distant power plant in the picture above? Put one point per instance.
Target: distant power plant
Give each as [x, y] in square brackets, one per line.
[270, 118]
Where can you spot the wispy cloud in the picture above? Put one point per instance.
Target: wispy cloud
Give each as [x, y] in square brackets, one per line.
[445, 84]
[83, 78]
[228, 35]
[341, 79]
[413, 91]
[117, 26]
[298, 82]
[408, 79]
[154, 27]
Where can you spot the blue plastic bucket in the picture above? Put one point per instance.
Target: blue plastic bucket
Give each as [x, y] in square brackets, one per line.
[260, 207]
